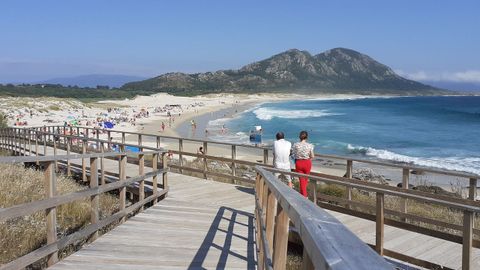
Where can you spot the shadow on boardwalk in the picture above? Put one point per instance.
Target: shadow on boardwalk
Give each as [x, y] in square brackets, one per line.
[231, 216]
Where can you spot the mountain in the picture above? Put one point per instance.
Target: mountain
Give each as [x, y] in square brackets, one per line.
[92, 80]
[337, 70]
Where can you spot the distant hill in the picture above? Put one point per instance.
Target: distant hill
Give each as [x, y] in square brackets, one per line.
[455, 86]
[338, 70]
[92, 80]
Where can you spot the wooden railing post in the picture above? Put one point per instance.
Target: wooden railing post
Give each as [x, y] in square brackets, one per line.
[234, 157]
[472, 189]
[69, 165]
[24, 140]
[379, 232]
[405, 184]
[122, 177]
[55, 153]
[15, 147]
[97, 136]
[280, 243]
[44, 144]
[84, 163]
[141, 171]
[155, 177]
[315, 188]
[51, 213]
[265, 156]
[349, 174]
[270, 218]
[468, 218]
[109, 139]
[205, 165]
[158, 142]
[102, 165]
[29, 142]
[36, 145]
[94, 200]
[164, 174]
[180, 155]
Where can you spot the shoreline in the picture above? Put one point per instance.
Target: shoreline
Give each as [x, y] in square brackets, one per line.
[53, 111]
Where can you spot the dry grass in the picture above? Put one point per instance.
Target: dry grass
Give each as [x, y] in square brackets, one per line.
[21, 235]
[421, 209]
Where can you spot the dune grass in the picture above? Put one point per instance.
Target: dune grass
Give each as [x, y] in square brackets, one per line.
[22, 235]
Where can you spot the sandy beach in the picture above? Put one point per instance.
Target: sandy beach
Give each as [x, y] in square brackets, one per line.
[147, 113]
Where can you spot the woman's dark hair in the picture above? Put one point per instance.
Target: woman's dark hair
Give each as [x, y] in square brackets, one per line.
[280, 135]
[303, 135]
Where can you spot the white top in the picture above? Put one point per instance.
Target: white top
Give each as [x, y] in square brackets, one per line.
[281, 154]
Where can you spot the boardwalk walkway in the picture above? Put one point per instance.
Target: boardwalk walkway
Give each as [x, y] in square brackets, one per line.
[204, 224]
[200, 225]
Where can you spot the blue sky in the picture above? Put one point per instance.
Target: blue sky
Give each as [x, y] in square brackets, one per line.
[421, 39]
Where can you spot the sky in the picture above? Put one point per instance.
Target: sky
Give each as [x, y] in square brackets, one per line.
[421, 39]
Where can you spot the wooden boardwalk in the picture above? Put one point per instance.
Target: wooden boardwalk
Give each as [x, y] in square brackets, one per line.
[200, 225]
[204, 224]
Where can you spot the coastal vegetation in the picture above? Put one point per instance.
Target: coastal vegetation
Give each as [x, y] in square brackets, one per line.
[21, 235]
[3, 121]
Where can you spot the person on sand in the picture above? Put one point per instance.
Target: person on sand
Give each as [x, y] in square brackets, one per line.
[303, 154]
[281, 156]
[200, 151]
[163, 126]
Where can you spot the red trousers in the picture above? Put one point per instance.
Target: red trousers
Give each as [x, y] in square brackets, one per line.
[303, 166]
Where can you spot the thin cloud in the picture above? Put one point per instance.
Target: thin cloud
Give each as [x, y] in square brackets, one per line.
[469, 76]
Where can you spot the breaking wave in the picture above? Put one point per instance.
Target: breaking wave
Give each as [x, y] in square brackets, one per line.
[269, 113]
[464, 164]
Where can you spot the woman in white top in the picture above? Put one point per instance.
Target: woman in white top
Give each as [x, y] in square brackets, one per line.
[303, 154]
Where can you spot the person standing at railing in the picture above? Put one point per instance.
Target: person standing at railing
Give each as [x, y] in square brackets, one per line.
[281, 156]
[303, 154]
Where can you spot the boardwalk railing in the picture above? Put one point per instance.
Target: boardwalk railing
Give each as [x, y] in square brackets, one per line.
[52, 200]
[327, 243]
[85, 139]
[379, 212]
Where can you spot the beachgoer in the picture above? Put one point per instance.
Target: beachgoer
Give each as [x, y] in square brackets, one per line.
[303, 153]
[281, 156]
[200, 151]
[163, 126]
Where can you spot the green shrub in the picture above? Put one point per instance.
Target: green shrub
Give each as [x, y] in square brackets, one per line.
[332, 190]
[3, 121]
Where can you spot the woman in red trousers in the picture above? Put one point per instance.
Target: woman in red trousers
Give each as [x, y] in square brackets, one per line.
[303, 154]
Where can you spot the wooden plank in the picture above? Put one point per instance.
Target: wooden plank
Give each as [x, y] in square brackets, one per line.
[468, 218]
[94, 200]
[270, 219]
[379, 225]
[280, 239]
[51, 213]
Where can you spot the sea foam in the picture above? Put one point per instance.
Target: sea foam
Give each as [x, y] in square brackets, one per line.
[270, 113]
[465, 164]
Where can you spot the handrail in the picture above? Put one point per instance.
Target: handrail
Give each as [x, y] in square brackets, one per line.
[468, 207]
[325, 239]
[96, 188]
[381, 163]
[401, 218]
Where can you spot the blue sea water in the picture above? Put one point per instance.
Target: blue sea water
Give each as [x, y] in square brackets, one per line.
[441, 132]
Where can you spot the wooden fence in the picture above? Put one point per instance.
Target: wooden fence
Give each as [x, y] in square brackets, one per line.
[26, 139]
[465, 206]
[11, 141]
[326, 241]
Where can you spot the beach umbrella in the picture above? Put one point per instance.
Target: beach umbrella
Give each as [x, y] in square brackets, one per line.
[108, 125]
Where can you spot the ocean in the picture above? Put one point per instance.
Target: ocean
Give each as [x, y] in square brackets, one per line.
[441, 132]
